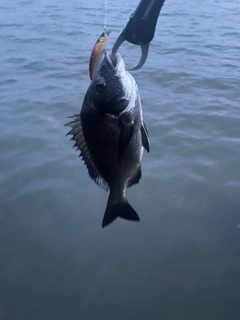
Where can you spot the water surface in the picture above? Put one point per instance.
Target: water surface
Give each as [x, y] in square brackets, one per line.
[182, 260]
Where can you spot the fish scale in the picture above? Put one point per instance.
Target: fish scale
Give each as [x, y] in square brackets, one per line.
[104, 150]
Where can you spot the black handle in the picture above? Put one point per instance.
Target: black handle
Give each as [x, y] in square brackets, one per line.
[140, 28]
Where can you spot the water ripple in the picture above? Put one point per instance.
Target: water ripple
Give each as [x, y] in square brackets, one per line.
[188, 197]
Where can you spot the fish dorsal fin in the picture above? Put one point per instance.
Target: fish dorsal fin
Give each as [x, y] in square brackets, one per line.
[144, 133]
[127, 128]
[135, 179]
[80, 143]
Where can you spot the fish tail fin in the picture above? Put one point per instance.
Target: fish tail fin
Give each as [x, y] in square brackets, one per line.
[120, 209]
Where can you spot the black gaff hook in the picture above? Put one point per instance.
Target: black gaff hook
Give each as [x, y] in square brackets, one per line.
[140, 28]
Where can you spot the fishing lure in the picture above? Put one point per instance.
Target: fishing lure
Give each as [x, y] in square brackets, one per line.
[97, 53]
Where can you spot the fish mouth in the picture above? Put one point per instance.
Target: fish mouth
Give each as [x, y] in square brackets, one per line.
[112, 60]
[112, 66]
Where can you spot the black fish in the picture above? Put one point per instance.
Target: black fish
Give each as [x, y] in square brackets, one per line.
[110, 134]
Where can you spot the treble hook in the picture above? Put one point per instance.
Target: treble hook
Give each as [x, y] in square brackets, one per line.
[140, 28]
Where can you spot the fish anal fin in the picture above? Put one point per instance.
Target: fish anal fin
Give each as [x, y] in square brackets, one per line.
[136, 178]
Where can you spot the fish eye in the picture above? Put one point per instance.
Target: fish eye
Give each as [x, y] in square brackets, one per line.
[100, 85]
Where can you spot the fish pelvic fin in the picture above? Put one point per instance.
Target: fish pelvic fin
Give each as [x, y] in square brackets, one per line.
[120, 209]
[144, 134]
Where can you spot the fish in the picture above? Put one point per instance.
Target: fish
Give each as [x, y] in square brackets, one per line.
[97, 53]
[110, 134]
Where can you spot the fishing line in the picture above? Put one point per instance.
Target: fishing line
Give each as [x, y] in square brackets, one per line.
[105, 15]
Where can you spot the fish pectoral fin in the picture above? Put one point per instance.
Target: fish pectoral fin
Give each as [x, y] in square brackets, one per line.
[127, 128]
[144, 133]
